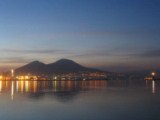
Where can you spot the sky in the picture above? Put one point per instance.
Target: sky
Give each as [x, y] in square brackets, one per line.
[114, 35]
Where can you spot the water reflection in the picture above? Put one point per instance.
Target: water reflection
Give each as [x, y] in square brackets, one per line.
[12, 90]
[0, 86]
[153, 86]
[36, 89]
[67, 90]
[79, 100]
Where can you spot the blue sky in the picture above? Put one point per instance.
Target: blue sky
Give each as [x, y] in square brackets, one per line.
[115, 35]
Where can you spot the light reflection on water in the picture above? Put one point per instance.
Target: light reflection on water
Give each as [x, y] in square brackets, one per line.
[80, 100]
[153, 86]
[36, 87]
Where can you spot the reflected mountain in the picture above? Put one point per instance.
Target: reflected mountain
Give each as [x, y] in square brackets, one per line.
[67, 91]
[63, 91]
[62, 96]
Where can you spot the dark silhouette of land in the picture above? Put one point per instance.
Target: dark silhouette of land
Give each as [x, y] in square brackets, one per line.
[62, 66]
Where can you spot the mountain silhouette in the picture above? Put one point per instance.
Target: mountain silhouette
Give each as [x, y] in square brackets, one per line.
[60, 67]
[34, 67]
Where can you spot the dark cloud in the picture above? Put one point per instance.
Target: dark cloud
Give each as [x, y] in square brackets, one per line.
[151, 53]
[145, 54]
[89, 54]
[24, 56]
[20, 60]
[32, 51]
[101, 54]
[37, 51]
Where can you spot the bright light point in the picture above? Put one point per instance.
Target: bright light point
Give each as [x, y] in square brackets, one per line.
[22, 77]
[26, 77]
[12, 72]
[153, 73]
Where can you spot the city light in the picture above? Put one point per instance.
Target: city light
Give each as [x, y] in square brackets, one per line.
[12, 73]
[26, 77]
[153, 73]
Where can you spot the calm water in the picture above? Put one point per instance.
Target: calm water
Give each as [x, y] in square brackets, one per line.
[80, 100]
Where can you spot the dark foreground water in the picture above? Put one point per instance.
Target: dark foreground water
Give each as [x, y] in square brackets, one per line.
[80, 100]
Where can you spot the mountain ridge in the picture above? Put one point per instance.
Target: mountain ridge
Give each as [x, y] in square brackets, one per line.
[61, 66]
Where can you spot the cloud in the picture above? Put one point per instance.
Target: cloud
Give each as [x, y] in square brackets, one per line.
[151, 53]
[33, 51]
[96, 58]
[145, 54]
[14, 60]
[89, 54]
[101, 53]
[16, 57]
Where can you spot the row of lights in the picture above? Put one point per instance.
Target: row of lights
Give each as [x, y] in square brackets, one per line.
[18, 77]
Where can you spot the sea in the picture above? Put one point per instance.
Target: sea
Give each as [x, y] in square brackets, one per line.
[80, 100]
